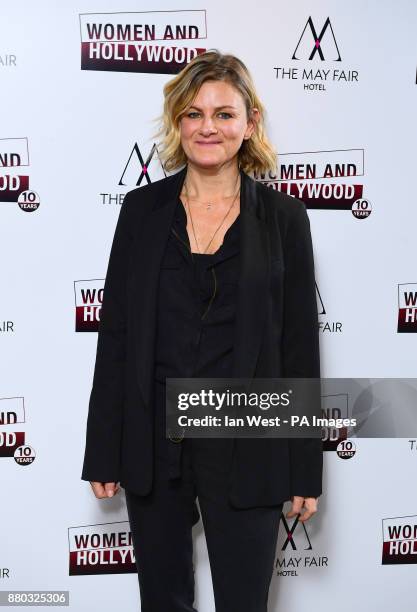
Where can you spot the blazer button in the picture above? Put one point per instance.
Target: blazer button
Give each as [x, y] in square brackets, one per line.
[177, 438]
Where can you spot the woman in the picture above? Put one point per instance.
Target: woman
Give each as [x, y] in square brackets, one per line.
[210, 274]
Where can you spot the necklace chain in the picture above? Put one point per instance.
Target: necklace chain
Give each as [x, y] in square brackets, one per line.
[209, 204]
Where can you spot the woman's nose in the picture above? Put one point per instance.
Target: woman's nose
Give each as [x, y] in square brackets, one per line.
[208, 125]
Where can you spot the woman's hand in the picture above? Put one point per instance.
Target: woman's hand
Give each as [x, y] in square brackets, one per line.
[104, 489]
[308, 503]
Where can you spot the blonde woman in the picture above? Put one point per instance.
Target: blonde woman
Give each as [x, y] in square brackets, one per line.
[210, 274]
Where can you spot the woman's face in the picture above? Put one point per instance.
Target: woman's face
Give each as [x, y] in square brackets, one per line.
[213, 127]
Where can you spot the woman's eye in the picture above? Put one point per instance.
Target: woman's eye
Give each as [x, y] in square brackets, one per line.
[195, 113]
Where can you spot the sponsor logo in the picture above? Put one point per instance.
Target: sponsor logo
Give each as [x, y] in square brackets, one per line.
[325, 325]
[88, 301]
[296, 539]
[399, 540]
[407, 308]
[104, 548]
[157, 42]
[316, 59]
[325, 180]
[14, 176]
[12, 434]
[137, 169]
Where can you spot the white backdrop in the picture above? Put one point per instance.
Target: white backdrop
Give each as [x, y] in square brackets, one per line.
[71, 132]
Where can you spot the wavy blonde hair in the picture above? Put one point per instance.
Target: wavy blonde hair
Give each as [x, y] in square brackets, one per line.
[256, 154]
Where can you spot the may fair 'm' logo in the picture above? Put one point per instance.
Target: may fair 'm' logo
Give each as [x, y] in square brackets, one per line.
[140, 166]
[399, 540]
[155, 42]
[317, 43]
[407, 308]
[290, 540]
[139, 169]
[313, 43]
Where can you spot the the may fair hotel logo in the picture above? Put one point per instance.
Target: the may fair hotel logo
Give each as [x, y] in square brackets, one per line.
[160, 42]
[296, 554]
[316, 60]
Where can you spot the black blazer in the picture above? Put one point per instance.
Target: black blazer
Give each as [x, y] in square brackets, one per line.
[276, 335]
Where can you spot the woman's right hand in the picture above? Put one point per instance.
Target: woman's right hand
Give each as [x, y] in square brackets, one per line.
[104, 489]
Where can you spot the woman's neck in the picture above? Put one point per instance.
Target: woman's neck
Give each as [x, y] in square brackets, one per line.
[212, 183]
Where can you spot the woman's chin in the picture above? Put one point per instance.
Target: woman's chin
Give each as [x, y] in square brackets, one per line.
[207, 161]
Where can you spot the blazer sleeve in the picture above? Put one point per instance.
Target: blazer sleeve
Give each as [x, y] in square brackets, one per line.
[105, 410]
[301, 353]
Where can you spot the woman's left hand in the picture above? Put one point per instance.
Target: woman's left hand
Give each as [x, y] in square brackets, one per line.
[308, 503]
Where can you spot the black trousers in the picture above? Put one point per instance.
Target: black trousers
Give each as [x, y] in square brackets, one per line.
[241, 543]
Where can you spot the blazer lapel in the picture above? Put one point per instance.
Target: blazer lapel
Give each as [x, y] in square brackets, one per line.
[252, 295]
[150, 248]
[253, 282]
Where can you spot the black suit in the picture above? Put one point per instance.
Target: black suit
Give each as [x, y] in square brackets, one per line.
[276, 334]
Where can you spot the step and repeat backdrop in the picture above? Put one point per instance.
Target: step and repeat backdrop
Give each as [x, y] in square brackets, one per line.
[81, 86]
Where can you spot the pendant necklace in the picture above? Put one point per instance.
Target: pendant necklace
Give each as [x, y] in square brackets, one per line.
[208, 207]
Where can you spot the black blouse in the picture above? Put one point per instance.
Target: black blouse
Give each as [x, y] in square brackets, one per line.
[195, 322]
[196, 305]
